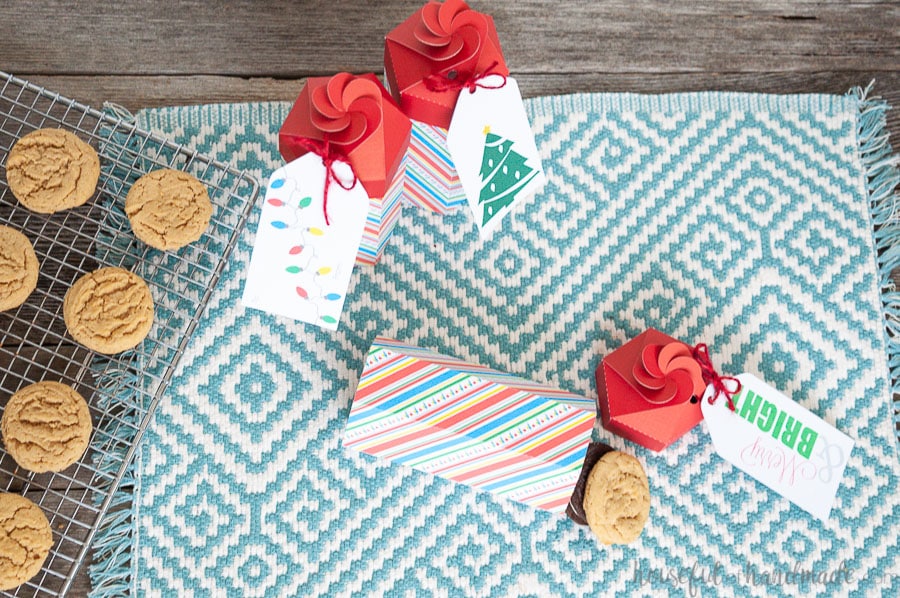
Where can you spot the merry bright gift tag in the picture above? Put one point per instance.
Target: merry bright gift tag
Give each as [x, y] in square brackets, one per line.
[781, 444]
[491, 142]
[301, 266]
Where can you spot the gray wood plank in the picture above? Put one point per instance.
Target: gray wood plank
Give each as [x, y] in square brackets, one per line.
[22, 365]
[81, 584]
[281, 38]
[135, 92]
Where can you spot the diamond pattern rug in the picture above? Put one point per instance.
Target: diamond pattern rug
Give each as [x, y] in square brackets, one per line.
[739, 220]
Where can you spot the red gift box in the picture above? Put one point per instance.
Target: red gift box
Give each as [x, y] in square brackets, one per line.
[649, 390]
[360, 121]
[446, 40]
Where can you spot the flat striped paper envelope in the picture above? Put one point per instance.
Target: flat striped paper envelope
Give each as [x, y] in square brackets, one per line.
[493, 431]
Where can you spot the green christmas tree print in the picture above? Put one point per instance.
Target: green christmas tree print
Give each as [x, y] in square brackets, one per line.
[504, 174]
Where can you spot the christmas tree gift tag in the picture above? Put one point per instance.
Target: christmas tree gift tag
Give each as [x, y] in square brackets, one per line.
[302, 262]
[781, 444]
[491, 142]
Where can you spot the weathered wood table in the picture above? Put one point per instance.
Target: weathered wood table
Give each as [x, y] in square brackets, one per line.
[145, 54]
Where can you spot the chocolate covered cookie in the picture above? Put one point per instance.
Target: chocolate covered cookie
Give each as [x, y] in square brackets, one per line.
[575, 510]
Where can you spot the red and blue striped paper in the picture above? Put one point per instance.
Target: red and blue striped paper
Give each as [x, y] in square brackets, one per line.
[381, 220]
[431, 180]
[496, 432]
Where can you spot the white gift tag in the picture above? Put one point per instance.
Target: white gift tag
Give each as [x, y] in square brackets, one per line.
[492, 145]
[301, 267]
[773, 439]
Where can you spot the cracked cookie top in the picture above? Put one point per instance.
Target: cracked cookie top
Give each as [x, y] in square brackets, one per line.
[617, 498]
[168, 209]
[25, 540]
[46, 426]
[18, 268]
[109, 310]
[50, 170]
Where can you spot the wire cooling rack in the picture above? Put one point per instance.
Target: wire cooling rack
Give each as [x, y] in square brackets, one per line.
[122, 390]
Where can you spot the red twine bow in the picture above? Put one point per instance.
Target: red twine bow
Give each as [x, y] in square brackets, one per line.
[329, 157]
[453, 80]
[711, 376]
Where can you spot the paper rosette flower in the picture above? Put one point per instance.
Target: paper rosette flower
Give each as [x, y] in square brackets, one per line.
[644, 390]
[669, 373]
[347, 108]
[359, 121]
[451, 31]
[447, 39]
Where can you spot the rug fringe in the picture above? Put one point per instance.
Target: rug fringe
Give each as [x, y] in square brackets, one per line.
[882, 179]
[111, 564]
[110, 569]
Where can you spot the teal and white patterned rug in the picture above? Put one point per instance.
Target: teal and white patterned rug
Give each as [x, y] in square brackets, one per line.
[739, 220]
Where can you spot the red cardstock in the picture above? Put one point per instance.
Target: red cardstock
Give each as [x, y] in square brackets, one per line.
[360, 120]
[442, 39]
[649, 390]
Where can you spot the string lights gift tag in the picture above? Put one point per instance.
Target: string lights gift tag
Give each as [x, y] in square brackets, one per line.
[359, 121]
[654, 389]
[309, 232]
[335, 203]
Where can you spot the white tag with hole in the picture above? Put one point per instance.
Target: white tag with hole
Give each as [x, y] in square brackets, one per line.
[301, 265]
[492, 145]
[773, 439]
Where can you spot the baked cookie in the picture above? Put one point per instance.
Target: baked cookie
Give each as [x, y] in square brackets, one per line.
[25, 540]
[575, 510]
[46, 426]
[18, 268]
[50, 170]
[617, 498]
[109, 310]
[168, 209]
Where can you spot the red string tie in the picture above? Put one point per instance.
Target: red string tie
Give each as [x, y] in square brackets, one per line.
[454, 80]
[329, 157]
[711, 376]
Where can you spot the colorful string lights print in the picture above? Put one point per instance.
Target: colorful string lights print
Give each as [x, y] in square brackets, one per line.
[301, 265]
[306, 259]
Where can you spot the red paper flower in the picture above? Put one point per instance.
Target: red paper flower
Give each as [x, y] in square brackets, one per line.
[349, 118]
[668, 373]
[447, 40]
[450, 30]
[347, 108]
[644, 390]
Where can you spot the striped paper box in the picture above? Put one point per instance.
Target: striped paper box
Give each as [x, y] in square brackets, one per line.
[383, 215]
[431, 179]
[496, 432]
